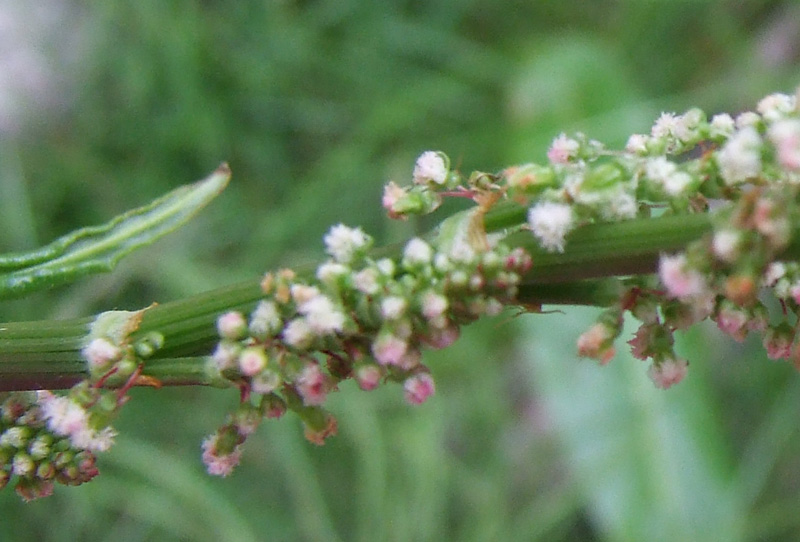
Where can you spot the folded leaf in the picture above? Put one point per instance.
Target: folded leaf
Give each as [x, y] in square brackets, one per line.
[99, 248]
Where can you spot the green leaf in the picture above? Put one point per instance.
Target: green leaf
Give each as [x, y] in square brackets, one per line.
[651, 464]
[98, 249]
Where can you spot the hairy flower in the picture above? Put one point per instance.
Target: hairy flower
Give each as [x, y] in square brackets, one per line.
[740, 158]
[550, 222]
[430, 167]
[101, 352]
[312, 385]
[343, 243]
[231, 325]
[680, 280]
[668, 372]
[417, 252]
[418, 388]
[563, 149]
[322, 317]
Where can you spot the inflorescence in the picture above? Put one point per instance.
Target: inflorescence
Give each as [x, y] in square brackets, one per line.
[369, 318]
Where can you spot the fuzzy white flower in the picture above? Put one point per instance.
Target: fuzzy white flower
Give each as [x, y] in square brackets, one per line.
[686, 125]
[619, 206]
[342, 242]
[417, 252]
[252, 360]
[366, 281]
[393, 307]
[726, 245]
[322, 316]
[563, 149]
[389, 349]
[740, 158]
[668, 372]
[22, 465]
[676, 184]
[265, 321]
[329, 272]
[785, 135]
[101, 352]
[722, 125]
[637, 144]
[265, 382]
[664, 126]
[773, 273]
[231, 325]
[66, 418]
[225, 355]
[298, 334]
[550, 222]
[386, 267]
[775, 106]
[748, 119]
[680, 281]
[430, 166]
[433, 305]
[13, 437]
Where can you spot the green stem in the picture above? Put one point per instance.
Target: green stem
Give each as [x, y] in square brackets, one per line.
[37, 355]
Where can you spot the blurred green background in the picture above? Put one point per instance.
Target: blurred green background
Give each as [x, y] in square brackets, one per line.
[315, 105]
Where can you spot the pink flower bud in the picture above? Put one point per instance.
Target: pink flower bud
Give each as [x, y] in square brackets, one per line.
[418, 388]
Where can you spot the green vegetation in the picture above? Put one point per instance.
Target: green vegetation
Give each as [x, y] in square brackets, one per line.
[315, 105]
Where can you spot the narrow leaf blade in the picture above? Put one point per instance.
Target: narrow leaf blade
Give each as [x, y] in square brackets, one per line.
[98, 249]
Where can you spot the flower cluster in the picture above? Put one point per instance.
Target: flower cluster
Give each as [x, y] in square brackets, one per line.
[750, 170]
[358, 317]
[46, 439]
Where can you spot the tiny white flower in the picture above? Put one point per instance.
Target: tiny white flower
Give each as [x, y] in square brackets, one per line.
[774, 272]
[252, 360]
[775, 106]
[433, 305]
[321, 315]
[668, 372]
[366, 281]
[563, 149]
[722, 125]
[389, 349]
[265, 321]
[785, 135]
[329, 272]
[637, 144]
[417, 252]
[225, 355]
[265, 382]
[298, 334]
[303, 292]
[664, 126]
[659, 169]
[231, 325]
[393, 307]
[22, 465]
[748, 119]
[686, 125]
[386, 267]
[740, 157]
[14, 437]
[550, 222]
[430, 166]
[619, 206]
[680, 280]
[725, 245]
[101, 352]
[342, 242]
[676, 184]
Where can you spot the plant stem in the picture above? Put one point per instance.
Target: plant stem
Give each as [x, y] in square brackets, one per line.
[46, 355]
